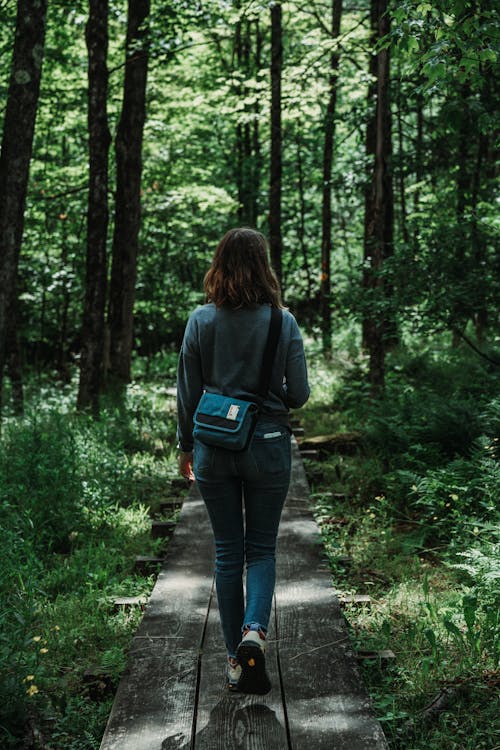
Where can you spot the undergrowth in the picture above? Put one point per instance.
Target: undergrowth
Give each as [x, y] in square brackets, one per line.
[412, 520]
[75, 495]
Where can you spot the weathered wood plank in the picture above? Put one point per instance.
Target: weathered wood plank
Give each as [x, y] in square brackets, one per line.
[343, 442]
[155, 700]
[326, 703]
[226, 721]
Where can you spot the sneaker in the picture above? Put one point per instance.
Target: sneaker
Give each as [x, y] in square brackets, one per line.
[233, 673]
[251, 656]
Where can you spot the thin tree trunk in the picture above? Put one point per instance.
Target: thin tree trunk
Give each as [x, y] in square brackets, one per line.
[91, 360]
[61, 363]
[459, 315]
[401, 172]
[275, 239]
[370, 146]
[380, 214]
[326, 223]
[480, 314]
[14, 360]
[128, 148]
[419, 150]
[17, 144]
[301, 231]
[240, 181]
[257, 157]
[248, 200]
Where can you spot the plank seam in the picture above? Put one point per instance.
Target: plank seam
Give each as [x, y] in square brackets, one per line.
[282, 684]
[198, 670]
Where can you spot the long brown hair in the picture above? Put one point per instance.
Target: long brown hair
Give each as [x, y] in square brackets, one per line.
[240, 274]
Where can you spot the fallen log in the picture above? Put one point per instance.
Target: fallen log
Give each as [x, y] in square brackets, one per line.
[346, 443]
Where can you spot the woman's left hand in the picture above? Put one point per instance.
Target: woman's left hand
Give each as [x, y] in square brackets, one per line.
[186, 465]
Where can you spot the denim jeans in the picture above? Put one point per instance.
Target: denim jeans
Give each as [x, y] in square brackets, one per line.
[257, 480]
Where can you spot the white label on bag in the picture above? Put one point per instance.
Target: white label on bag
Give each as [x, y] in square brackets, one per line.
[272, 435]
[233, 412]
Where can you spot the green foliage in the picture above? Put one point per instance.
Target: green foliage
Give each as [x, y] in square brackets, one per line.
[74, 502]
[415, 512]
[447, 39]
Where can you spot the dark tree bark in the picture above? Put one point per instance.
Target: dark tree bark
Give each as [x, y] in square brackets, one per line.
[379, 219]
[14, 359]
[257, 157]
[275, 240]
[240, 167]
[128, 149]
[419, 151]
[248, 198]
[370, 147]
[17, 144]
[459, 314]
[91, 360]
[326, 218]
[401, 170]
[301, 229]
[480, 315]
[247, 129]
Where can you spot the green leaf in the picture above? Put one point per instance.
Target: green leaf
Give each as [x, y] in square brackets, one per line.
[431, 637]
[452, 628]
[470, 609]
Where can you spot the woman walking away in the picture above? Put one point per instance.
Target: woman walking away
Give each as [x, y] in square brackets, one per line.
[228, 346]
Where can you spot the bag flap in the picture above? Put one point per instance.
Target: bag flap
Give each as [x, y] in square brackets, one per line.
[222, 412]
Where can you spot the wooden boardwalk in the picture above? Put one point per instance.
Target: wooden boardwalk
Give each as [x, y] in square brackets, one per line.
[172, 695]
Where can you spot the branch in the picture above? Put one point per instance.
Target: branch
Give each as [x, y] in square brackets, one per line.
[53, 196]
[474, 347]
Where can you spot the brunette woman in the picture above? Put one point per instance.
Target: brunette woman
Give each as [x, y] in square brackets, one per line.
[243, 491]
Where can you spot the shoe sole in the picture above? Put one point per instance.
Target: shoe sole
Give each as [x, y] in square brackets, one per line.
[254, 678]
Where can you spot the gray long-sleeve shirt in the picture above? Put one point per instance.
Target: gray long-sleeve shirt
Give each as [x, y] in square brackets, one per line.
[222, 352]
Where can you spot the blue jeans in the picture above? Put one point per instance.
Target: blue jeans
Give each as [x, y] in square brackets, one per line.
[257, 478]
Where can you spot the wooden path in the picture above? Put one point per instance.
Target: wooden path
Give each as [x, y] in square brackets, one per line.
[172, 695]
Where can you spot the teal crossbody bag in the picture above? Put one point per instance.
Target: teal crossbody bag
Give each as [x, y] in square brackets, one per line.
[226, 422]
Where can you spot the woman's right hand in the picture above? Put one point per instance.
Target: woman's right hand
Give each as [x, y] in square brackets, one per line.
[186, 465]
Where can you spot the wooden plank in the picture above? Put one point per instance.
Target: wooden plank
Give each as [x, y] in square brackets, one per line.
[162, 529]
[347, 443]
[127, 602]
[155, 701]
[230, 720]
[147, 564]
[326, 703]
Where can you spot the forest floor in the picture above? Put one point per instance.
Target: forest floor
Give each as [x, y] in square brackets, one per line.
[408, 519]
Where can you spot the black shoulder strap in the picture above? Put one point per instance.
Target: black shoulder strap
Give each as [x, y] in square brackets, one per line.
[270, 351]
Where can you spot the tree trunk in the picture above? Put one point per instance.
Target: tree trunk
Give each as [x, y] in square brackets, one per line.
[128, 149]
[301, 229]
[248, 200]
[275, 240]
[480, 314]
[17, 144]
[459, 315]
[61, 357]
[240, 180]
[370, 146]
[419, 151]
[257, 157]
[326, 223]
[380, 214]
[14, 360]
[91, 360]
[401, 170]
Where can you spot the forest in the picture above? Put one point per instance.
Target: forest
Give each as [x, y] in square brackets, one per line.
[360, 136]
